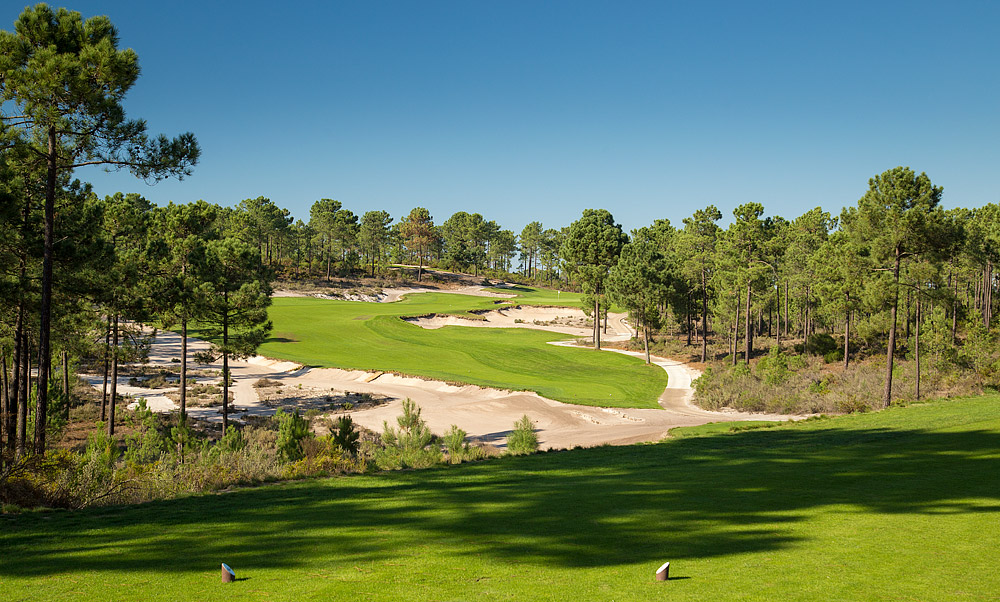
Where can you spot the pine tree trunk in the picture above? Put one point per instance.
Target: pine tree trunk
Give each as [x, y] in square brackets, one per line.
[22, 394]
[15, 383]
[777, 304]
[954, 314]
[916, 349]
[687, 318]
[906, 334]
[597, 322]
[786, 308]
[847, 333]
[704, 316]
[5, 432]
[988, 294]
[736, 326]
[891, 351]
[45, 307]
[645, 338]
[114, 379]
[225, 365]
[107, 359]
[65, 383]
[749, 331]
[184, 365]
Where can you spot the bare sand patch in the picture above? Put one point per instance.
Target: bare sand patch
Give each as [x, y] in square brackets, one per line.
[486, 414]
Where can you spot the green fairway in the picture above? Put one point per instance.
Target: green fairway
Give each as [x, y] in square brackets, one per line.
[527, 295]
[370, 336]
[898, 505]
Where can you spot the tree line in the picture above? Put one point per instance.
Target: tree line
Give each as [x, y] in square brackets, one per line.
[894, 267]
[79, 273]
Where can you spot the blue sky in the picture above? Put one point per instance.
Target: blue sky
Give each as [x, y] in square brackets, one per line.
[536, 110]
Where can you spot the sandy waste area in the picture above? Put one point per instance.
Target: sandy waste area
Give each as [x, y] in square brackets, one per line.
[485, 414]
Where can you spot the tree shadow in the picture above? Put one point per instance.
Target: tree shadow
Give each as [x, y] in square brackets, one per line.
[608, 506]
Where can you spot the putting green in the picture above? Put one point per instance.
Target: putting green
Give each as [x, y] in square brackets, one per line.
[371, 336]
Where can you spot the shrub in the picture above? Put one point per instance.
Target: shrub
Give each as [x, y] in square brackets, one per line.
[345, 436]
[454, 442]
[145, 443]
[407, 446]
[292, 429]
[820, 343]
[773, 368]
[523, 439]
[321, 457]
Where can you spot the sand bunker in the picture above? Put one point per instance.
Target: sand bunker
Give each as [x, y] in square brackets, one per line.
[485, 414]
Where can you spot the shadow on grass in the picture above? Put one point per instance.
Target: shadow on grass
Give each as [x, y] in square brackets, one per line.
[608, 506]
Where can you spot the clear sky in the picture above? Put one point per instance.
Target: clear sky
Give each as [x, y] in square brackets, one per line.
[535, 110]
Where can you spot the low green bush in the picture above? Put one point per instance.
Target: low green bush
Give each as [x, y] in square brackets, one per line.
[292, 429]
[409, 444]
[522, 440]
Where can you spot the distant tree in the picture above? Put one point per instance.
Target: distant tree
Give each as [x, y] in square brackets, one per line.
[186, 230]
[374, 236]
[503, 245]
[323, 222]
[639, 281]
[466, 237]
[65, 80]
[262, 223]
[235, 295]
[697, 244]
[548, 258]
[898, 217]
[745, 243]
[418, 234]
[125, 282]
[590, 250]
[841, 266]
[531, 243]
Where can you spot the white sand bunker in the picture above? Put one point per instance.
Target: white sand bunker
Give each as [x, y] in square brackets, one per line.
[568, 320]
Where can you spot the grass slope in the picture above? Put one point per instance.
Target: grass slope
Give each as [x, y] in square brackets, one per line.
[370, 336]
[899, 505]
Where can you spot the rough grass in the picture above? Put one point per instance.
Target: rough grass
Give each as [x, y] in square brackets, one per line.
[370, 336]
[895, 505]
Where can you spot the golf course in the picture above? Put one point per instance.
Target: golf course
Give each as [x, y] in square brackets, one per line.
[371, 336]
[895, 505]
[496, 302]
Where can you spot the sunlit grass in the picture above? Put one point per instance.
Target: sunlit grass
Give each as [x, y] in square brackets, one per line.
[898, 505]
[371, 336]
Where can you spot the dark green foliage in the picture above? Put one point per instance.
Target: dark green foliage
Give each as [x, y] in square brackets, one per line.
[345, 435]
[773, 368]
[292, 429]
[820, 343]
[454, 442]
[523, 439]
[590, 249]
[409, 444]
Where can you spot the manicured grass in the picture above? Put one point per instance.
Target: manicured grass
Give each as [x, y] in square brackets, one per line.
[370, 336]
[716, 428]
[898, 505]
[527, 295]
